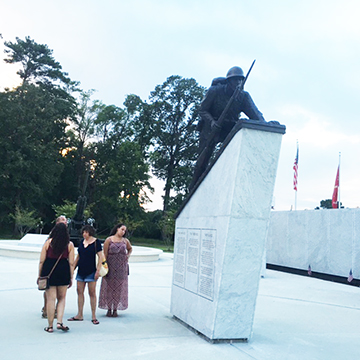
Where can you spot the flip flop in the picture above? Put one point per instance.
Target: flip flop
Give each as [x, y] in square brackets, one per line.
[49, 329]
[95, 322]
[60, 326]
[74, 319]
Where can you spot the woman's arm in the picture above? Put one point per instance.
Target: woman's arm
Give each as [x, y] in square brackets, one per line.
[106, 247]
[128, 247]
[71, 261]
[76, 262]
[99, 264]
[43, 256]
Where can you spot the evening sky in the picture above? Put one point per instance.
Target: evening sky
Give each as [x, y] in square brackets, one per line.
[306, 74]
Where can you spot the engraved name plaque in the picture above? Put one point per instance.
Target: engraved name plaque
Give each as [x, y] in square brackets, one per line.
[194, 263]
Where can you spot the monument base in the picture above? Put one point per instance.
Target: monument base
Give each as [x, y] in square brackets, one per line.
[220, 236]
[212, 341]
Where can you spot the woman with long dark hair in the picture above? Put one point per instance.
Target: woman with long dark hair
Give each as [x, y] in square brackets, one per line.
[59, 219]
[114, 286]
[57, 246]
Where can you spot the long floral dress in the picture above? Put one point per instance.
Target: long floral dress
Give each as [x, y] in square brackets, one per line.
[114, 286]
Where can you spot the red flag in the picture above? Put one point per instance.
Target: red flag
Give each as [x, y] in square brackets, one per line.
[336, 190]
[295, 167]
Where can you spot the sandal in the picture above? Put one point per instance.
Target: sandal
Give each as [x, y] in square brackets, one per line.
[108, 314]
[114, 314]
[60, 326]
[49, 329]
[74, 319]
[95, 322]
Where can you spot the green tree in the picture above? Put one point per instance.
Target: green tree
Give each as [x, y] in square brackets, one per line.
[120, 169]
[120, 175]
[86, 115]
[25, 220]
[68, 209]
[131, 224]
[117, 161]
[174, 115]
[167, 226]
[32, 137]
[326, 204]
[81, 132]
[150, 227]
[139, 116]
[113, 124]
[37, 63]
[33, 119]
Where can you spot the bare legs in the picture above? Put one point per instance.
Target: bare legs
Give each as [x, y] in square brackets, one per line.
[81, 300]
[43, 310]
[50, 304]
[44, 313]
[53, 293]
[80, 288]
[92, 294]
[61, 296]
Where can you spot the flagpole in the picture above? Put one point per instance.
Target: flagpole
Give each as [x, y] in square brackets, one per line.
[295, 168]
[339, 182]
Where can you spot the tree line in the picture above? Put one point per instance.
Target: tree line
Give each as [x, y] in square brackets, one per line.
[57, 141]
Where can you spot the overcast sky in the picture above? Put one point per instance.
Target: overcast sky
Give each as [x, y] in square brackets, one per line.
[306, 74]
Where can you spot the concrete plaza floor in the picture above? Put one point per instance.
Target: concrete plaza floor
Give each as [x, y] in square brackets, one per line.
[296, 318]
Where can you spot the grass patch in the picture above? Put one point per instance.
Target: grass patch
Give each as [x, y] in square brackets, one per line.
[9, 237]
[154, 243]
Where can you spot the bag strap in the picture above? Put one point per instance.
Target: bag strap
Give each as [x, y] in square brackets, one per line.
[57, 261]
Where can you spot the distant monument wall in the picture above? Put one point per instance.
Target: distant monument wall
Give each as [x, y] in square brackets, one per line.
[328, 240]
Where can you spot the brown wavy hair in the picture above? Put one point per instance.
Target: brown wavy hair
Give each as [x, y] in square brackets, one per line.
[114, 229]
[90, 229]
[60, 238]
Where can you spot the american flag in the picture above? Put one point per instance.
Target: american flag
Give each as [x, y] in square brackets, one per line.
[350, 277]
[336, 190]
[295, 167]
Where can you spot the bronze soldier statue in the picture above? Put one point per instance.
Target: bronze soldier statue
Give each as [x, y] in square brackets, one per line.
[225, 99]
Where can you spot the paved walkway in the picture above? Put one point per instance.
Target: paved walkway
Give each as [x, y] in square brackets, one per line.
[296, 318]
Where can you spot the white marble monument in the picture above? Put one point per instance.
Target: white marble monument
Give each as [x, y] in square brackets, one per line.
[220, 235]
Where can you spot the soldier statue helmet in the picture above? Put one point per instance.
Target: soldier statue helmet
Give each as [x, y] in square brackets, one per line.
[235, 71]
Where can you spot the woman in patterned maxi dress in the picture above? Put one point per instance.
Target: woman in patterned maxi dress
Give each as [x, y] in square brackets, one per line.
[114, 286]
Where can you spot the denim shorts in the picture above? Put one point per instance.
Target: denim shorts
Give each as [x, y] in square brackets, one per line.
[87, 278]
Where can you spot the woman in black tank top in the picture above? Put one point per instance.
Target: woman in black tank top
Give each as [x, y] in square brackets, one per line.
[57, 247]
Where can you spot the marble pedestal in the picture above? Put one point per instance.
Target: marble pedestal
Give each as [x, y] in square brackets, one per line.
[220, 235]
